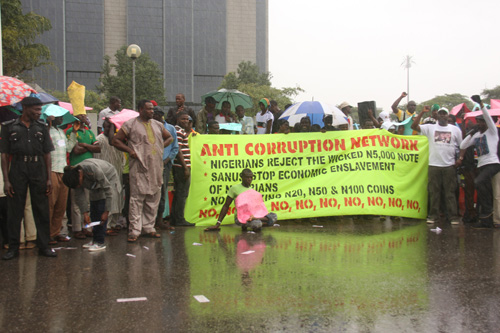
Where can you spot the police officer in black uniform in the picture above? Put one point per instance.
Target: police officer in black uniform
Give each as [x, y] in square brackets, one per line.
[27, 141]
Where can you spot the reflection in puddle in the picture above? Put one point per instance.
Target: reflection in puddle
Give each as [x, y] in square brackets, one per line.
[305, 279]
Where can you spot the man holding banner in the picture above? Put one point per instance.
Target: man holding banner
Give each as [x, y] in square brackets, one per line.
[444, 142]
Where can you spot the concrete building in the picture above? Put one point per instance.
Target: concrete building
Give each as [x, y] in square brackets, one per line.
[194, 42]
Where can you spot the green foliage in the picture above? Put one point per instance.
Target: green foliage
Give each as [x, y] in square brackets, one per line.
[489, 94]
[251, 81]
[19, 31]
[116, 79]
[447, 100]
[92, 99]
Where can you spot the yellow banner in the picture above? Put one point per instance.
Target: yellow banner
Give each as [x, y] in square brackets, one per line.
[301, 175]
[76, 94]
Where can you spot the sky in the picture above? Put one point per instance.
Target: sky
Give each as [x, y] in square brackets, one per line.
[353, 50]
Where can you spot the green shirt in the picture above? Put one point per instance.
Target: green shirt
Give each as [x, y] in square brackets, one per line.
[236, 190]
[83, 136]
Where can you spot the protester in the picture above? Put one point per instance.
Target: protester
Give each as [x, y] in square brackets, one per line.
[27, 140]
[181, 172]
[410, 112]
[213, 127]
[144, 140]
[58, 199]
[432, 119]
[205, 115]
[250, 209]
[172, 113]
[305, 124]
[264, 118]
[284, 126]
[169, 154]
[115, 106]
[85, 148]
[275, 110]
[247, 125]
[116, 158]
[346, 109]
[444, 142]
[225, 116]
[104, 193]
[327, 121]
[485, 140]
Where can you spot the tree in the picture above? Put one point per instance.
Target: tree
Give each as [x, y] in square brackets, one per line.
[116, 79]
[19, 31]
[491, 93]
[251, 81]
[447, 100]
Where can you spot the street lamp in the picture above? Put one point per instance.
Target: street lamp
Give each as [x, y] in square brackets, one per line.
[133, 52]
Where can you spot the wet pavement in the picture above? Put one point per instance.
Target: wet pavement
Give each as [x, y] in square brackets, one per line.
[346, 276]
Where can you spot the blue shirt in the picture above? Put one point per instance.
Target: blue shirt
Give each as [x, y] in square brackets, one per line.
[172, 149]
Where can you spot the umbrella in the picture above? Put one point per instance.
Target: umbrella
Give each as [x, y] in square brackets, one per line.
[495, 103]
[314, 110]
[57, 111]
[233, 96]
[47, 98]
[124, 115]
[456, 109]
[69, 107]
[492, 112]
[13, 90]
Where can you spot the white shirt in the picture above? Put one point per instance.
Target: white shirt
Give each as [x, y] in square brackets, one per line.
[246, 125]
[262, 120]
[107, 112]
[486, 143]
[444, 142]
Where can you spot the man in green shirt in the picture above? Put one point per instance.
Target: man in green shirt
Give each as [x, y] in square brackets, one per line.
[84, 149]
[258, 212]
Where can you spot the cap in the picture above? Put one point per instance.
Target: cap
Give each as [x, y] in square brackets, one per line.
[264, 101]
[30, 101]
[158, 110]
[154, 103]
[384, 115]
[434, 107]
[445, 110]
[344, 104]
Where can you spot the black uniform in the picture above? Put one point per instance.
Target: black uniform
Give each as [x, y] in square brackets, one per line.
[27, 147]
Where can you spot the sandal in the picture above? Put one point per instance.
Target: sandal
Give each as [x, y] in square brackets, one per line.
[111, 232]
[79, 235]
[62, 239]
[131, 239]
[153, 235]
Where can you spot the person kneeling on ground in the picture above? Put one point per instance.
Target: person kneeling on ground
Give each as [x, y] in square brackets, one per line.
[101, 179]
[250, 209]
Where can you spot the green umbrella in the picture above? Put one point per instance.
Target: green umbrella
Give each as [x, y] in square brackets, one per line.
[57, 111]
[233, 96]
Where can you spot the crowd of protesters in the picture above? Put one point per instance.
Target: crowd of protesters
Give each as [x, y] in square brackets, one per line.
[119, 179]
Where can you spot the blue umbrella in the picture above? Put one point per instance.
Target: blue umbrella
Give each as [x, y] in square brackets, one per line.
[314, 110]
[57, 111]
[47, 98]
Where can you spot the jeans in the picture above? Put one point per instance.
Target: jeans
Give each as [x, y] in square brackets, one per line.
[164, 190]
[181, 187]
[97, 207]
[484, 188]
[442, 180]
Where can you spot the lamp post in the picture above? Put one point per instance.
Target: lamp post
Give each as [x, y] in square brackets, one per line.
[133, 52]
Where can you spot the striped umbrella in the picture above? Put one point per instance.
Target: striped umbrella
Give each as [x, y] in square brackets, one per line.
[314, 110]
